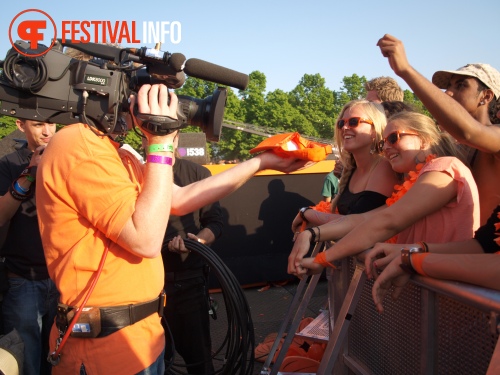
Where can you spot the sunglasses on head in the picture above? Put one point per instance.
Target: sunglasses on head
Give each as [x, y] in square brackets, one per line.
[352, 122]
[393, 138]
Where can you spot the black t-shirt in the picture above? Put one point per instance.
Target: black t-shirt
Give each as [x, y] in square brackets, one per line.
[357, 203]
[210, 216]
[485, 235]
[22, 248]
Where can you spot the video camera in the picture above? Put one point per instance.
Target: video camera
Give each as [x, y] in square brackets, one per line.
[58, 88]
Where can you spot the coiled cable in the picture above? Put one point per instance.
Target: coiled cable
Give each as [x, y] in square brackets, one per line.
[239, 343]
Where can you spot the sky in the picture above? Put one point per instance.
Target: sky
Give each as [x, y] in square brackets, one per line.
[287, 39]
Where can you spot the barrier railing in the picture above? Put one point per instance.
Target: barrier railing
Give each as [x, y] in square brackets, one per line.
[435, 327]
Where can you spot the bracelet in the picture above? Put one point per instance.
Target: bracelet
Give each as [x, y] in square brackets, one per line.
[19, 188]
[16, 195]
[302, 212]
[313, 234]
[417, 260]
[30, 173]
[424, 246]
[321, 259]
[167, 147]
[160, 159]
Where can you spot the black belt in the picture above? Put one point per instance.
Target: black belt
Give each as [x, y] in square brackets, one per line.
[114, 318]
[184, 275]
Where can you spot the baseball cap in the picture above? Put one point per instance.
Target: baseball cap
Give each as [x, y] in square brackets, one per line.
[484, 72]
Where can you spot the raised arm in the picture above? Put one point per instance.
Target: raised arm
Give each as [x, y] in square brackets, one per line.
[449, 114]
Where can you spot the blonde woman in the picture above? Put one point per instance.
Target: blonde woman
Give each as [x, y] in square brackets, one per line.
[438, 202]
[367, 178]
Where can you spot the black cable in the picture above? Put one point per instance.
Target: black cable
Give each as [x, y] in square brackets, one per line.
[18, 77]
[239, 343]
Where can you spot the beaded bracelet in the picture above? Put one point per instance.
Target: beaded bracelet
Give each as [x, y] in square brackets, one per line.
[321, 259]
[160, 159]
[166, 147]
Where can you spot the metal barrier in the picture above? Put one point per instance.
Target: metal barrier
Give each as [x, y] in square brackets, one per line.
[435, 327]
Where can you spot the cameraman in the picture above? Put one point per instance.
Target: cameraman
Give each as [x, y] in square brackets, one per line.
[93, 197]
[30, 301]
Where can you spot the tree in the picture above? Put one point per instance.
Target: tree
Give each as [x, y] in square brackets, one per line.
[353, 88]
[7, 125]
[316, 103]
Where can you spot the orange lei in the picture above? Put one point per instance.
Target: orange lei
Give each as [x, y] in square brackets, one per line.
[400, 190]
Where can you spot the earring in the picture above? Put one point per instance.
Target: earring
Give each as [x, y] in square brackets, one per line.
[373, 149]
[482, 102]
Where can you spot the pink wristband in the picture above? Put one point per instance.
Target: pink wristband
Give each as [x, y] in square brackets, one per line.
[159, 159]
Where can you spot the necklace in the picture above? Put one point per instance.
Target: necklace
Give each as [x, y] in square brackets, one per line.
[400, 190]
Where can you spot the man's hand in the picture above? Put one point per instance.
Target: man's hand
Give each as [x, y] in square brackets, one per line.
[394, 50]
[154, 100]
[269, 160]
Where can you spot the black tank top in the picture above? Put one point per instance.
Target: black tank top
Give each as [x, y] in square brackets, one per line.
[357, 203]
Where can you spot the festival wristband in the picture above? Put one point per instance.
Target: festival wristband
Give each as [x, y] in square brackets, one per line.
[417, 260]
[321, 259]
[29, 173]
[159, 159]
[161, 147]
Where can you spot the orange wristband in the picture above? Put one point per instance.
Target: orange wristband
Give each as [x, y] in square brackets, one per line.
[321, 259]
[416, 261]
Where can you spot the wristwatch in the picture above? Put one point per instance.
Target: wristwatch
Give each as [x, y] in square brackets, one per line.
[406, 258]
[302, 211]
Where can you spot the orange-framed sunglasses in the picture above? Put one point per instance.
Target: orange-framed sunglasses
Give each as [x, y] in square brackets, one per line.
[353, 122]
[393, 138]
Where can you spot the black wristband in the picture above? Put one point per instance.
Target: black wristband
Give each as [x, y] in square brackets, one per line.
[302, 212]
[313, 234]
[17, 196]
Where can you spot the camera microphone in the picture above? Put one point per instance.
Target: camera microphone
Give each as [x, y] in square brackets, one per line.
[215, 73]
[173, 60]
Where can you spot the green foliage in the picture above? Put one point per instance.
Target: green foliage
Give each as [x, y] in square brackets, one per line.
[412, 99]
[7, 125]
[310, 109]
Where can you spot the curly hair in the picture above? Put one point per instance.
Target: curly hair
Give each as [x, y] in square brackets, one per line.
[387, 89]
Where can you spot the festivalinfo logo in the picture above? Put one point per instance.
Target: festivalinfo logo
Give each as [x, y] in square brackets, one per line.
[39, 28]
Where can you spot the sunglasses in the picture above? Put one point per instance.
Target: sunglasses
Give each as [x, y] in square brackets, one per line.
[352, 122]
[393, 138]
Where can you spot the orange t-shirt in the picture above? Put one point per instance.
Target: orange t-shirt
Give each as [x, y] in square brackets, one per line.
[86, 191]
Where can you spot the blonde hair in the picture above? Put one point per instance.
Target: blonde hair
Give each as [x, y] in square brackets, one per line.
[387, 89]
[372, 111]
[441, 143]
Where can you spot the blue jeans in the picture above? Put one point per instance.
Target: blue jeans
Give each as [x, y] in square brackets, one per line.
[30, 307]
[156, 368]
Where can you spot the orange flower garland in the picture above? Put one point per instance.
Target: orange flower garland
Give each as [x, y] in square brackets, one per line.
[412, 177]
